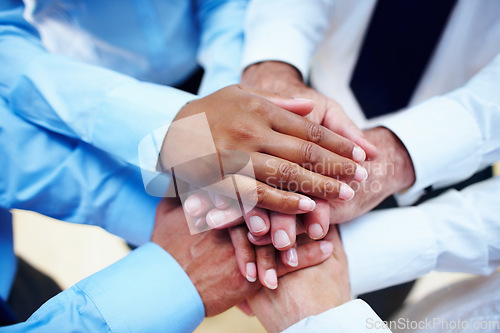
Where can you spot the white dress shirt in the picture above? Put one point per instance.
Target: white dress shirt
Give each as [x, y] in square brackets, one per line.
[451, 130]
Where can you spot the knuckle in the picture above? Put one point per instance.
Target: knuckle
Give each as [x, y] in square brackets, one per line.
[284, 201]
[314, 132]
[242, 132]
[259, 194]
[288, 172]
[310, 152]
[267, 257]
[329, 187]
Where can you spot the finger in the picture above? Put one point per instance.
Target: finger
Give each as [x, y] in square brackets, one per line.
[309, 254]
[314, 157]
[291, 177]
[266, 266]
[300, 106]
[197, 204]
[317, 222]
[245, 308]
[226, 218]
[266, 239]
[220, 201]
[290, 257]
[258, 221]
[294, 125]
[254, 193]
[244, 252]
[282, 230]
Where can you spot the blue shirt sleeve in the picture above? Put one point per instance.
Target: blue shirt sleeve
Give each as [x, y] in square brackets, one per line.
[103, 108]
[221, 42]
[147, 291]
[70, 180]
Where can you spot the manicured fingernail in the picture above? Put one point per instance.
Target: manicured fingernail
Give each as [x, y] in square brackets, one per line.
[346, 193]
[251, 272]
[198, 222]
[292, 258]
[281, 239]
[302, 99]
[270, 279]
[307, 204]
[358, 154]
[326, 247]
[216, 218]
[361, 174]
[192, 205]
[315, 231]
[218, 201]
[257, 224]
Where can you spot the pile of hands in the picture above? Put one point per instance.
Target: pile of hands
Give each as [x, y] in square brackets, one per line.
[271, 227]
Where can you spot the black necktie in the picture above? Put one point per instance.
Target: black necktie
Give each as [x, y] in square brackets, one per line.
[398, 44]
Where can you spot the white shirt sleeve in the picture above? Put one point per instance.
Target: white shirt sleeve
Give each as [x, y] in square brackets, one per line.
[457, 232]
[285, 30]
[353, 316]
[451, 137]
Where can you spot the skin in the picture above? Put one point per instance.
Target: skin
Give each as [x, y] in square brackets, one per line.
[304, 293]
[209, 259]
[249, 124]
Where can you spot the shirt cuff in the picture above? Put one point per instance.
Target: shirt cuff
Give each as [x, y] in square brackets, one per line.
[353, 316]
[270, 43]
[146, 291]
[388, 247]
[443, 141]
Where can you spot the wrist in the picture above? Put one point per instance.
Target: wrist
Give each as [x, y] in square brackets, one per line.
[400, 173]
[272, 76]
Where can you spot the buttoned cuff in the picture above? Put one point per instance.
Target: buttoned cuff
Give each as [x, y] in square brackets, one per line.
[443, 141]
[147, 291]
[353, 316]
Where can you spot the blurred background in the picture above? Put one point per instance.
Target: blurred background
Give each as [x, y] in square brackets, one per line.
[69, 253]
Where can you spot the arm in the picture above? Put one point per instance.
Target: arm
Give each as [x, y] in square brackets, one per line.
[108, 110]
[221, 42]
[451, 137]
[71, 181]
[456, 232]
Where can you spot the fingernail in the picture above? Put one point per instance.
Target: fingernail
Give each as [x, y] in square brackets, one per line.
[358, 154]
[257, 224]
[270, 279]
[292, 258]
[251, 272]
[315, 231]
[192, 205]
[361, 174]
[326, 247]
[281, 239]
[198, 222]
[307, 204]
[218, 200]
[302, 99]
[346, 193]
[216, 218]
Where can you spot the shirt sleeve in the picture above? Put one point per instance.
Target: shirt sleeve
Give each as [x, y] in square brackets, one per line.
[221, 42]
[70, 180]
[286, 31]
[353, 316]
[103, 108]
[457, 232]
[451, 137]
[147, 291]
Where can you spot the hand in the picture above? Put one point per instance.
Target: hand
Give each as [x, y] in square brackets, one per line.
[305, 293]
[390, 173]
[285, 79]
[218, 135]
[209, 261]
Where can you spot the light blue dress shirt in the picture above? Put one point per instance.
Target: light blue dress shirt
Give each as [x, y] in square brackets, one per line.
[82, 82]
